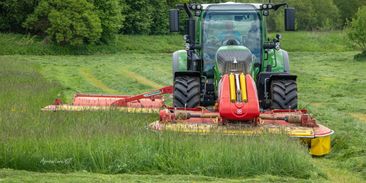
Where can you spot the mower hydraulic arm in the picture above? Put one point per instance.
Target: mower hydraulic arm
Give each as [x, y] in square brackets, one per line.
[151, 95]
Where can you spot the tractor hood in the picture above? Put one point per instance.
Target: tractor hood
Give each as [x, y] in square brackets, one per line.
[233, 59]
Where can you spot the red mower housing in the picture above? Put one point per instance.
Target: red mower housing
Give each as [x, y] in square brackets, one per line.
[238, 111]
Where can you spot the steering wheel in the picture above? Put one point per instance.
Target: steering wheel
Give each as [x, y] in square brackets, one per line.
[231, 41]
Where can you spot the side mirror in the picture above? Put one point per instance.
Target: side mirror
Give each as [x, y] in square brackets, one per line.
[174, 20]
[289, 19]
[278, 36]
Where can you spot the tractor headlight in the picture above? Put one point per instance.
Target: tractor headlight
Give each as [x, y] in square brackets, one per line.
[199, 7]
[194, 7]
[270, 6]
[264, 6]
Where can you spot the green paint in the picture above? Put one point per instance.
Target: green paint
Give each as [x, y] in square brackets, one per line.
[182, 60]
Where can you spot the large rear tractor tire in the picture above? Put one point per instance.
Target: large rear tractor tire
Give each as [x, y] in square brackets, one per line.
[284, 94]
[186, 92]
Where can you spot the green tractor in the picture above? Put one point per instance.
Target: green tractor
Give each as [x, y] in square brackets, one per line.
[226, 37]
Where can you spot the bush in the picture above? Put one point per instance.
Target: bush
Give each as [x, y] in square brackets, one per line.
[66, 21]
[357, 31]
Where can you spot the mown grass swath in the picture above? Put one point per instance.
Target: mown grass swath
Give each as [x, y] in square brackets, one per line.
[114, 142]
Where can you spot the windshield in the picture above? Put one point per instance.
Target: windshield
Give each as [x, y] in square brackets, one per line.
[223, 27]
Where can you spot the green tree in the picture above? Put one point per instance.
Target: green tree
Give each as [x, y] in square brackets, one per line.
[327, 15]
[110, 14]
[14, 12]
[310, 15]
[66, 21]
[348, 8]
[139, 17]
[357, 31]
[160, 17]
[172, 3]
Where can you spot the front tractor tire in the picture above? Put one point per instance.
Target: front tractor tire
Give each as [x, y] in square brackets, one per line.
[186, 92]
[284, 94]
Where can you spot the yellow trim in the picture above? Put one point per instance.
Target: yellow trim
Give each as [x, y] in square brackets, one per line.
[320, 146]
[243, 86]
[299, 132]
[100, 108]
[232, 88]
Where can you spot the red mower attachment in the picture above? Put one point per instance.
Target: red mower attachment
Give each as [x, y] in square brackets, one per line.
[149, 102]
[236, 113]
[294, 123]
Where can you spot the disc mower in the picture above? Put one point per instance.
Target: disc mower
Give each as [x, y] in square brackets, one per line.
[230, 79]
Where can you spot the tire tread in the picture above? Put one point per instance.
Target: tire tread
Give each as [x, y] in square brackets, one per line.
[186, 92]
[284, 94]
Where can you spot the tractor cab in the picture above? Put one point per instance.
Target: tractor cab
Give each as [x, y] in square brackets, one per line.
[230, 31]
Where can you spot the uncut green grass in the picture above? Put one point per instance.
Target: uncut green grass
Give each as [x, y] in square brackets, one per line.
[292, 41]
[34, 45]
[335, 41]
[8, 175]
[114, 142]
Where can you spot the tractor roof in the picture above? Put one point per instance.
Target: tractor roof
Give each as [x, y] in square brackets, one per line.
[256, 5]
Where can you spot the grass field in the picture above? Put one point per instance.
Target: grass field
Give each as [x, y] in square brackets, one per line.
[331, 86]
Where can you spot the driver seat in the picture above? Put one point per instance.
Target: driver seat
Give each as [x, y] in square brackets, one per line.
[232, 42]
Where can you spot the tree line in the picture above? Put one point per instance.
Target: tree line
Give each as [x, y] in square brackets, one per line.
[78, 22]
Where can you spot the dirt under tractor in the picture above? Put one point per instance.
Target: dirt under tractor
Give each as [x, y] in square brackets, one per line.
[230, 79]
